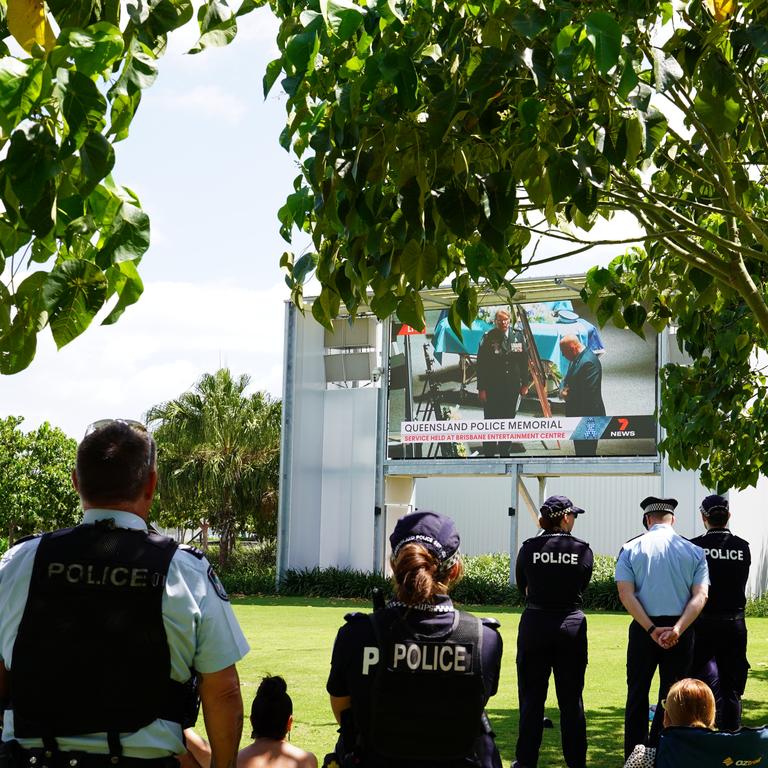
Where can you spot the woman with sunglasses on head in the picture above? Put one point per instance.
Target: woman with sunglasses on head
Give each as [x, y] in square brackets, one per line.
[553, 570]
[409, 682]
[689, 703]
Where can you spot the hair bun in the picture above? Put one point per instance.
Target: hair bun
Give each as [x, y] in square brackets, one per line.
[272, 687]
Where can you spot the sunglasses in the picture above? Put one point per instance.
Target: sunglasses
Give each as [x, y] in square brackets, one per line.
[137, 426]
[101, 423]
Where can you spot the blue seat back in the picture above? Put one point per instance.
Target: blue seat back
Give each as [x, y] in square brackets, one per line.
[699, 748]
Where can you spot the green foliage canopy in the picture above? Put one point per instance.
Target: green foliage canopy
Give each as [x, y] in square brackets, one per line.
[439, 138]
[218, 458]
[36, 491]
[71, 238]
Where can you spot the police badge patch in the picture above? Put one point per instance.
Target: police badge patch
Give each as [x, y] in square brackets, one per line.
[217, 585]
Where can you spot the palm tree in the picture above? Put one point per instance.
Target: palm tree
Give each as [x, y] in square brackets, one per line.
[218, 456]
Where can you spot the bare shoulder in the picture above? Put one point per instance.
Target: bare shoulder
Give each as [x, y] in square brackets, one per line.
[302, 759]
[275, 755]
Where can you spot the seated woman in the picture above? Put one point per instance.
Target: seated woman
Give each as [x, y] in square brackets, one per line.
[409, 682]
[689, 703]
[271, 720]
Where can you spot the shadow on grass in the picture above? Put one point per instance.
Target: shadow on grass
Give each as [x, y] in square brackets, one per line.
[605, 729]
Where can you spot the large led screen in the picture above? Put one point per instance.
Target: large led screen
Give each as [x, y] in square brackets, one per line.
[525, 380]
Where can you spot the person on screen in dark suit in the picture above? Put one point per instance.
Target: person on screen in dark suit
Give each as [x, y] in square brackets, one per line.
[582, 387]
[502, 376]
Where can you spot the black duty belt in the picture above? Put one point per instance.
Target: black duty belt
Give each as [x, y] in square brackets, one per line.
[724, 615]
[41, 758]
[553, 608]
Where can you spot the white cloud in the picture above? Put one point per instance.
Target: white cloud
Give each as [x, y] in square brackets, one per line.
[211, 101]
[156, 351]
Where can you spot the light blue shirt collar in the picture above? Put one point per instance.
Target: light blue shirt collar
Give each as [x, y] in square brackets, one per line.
[122, 519]
[656, 526]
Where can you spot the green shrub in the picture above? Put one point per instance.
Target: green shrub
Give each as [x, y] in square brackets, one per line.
[758, 606]
[332, 582]
[486, 580]
[251, 570]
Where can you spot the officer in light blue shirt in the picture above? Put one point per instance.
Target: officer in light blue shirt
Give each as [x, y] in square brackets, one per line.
[105, 627]
[663, 583]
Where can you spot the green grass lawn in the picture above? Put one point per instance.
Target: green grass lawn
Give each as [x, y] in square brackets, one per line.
[293, 637]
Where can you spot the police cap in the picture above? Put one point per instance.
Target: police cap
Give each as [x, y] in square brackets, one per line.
[559, 506]
[435, 532]
[713, 504]
[655, 504]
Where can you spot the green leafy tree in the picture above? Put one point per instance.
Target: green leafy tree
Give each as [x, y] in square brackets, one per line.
[36, 492]
[218, 458]
[442, 139]
[71, 238]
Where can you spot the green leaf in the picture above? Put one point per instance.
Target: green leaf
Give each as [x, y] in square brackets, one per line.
[168, 15]
[124, 280]
[97, 158]
[419, 264]
[249, 5]
[20, 88]
[605, 35]
[411, 311]
[128, 238]
[719, 113]
[342, 16]
[666, 70]
[218, 25]
[383, 306]
[82, 105]
[459, 212]
[564, 177]
[73, 293]
[274, 68]
[635, 130]
[32, 167]
[93, 49]
[629, 79]
[634, 316]
[72, 13]
[501, 189]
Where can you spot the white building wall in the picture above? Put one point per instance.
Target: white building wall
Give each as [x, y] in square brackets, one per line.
[480, 508]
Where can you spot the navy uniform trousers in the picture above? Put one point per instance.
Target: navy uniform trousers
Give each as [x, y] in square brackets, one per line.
[552, 641]
[644, 655]
[720, 660]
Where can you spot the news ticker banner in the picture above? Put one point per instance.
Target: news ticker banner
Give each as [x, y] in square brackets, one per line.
[522, 429]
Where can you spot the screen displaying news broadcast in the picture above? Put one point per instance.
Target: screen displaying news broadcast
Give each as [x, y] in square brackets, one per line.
[525, 380]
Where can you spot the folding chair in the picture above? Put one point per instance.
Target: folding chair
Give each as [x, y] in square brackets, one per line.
[699, 748]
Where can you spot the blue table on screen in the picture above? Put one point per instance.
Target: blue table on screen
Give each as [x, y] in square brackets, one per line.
[546, 335]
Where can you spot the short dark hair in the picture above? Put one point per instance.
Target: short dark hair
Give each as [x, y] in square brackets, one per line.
[114, 463]
[271, 708]
[718, 517]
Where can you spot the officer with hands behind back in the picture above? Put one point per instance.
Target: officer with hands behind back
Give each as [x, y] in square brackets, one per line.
[409, 682]
[104, 627]
[663, 582]
[552, 571]
[720, 648]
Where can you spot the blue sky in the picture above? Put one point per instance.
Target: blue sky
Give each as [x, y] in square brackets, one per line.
[204, 157]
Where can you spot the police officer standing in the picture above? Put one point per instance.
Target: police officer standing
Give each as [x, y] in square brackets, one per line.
[662, 581]
[502, 375]
[104, 627]
[409, 682]
[720, 650]
[552, 571]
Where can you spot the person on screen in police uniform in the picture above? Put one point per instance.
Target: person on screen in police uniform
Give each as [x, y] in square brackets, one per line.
[720, 649]
[502, 376]
[663, 581]
[552, 571]
[409, 682]
[105, 627]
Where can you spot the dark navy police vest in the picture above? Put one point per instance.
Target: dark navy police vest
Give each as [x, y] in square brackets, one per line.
[91, 653]
[428, 692]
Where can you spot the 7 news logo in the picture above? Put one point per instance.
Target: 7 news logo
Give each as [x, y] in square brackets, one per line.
[623, 428]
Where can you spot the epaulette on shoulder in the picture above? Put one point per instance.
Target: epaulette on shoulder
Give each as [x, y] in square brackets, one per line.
[190, 550]
[356, 616]
[23, 539]
[489, 621]
[632, 539]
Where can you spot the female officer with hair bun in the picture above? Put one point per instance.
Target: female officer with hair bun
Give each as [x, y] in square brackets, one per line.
[553, 570]
[409, 682]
